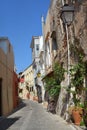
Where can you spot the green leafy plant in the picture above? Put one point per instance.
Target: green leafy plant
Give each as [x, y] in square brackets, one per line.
[77, 73]
[58, 72]
[53, 83]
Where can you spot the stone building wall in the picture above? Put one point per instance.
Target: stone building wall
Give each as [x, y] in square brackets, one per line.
[80, 25]
[78, 29]
[57, 26]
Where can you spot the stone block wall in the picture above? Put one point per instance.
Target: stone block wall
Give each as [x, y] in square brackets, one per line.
[78, 29]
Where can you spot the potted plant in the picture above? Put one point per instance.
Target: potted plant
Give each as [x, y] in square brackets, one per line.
[77, 114]
[76, 110]
[77, 73]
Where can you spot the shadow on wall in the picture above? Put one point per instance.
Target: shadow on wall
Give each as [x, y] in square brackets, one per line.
[20, 106]
[6, 123]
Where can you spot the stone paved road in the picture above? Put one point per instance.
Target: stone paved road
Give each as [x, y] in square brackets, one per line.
[32, 116]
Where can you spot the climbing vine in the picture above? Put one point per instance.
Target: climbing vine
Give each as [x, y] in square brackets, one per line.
[53, 83]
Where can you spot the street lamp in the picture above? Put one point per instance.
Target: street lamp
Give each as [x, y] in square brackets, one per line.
[67, 15]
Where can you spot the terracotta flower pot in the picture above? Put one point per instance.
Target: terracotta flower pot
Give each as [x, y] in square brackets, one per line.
[35, 98]
[77, 116]
[28, 95]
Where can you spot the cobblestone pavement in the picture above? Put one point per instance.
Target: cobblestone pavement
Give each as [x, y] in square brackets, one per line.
[33, 116]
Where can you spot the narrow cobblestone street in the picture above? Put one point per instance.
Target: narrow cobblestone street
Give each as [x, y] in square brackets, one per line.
[33, 116]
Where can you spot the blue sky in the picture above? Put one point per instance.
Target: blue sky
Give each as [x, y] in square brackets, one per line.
[19, 21]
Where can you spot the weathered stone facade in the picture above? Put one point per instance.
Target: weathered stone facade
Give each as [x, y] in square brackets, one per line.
[55, 29]
[80, 24]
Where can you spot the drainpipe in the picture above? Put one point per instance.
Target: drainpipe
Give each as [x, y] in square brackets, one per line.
[68, 49]
[43, 23]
